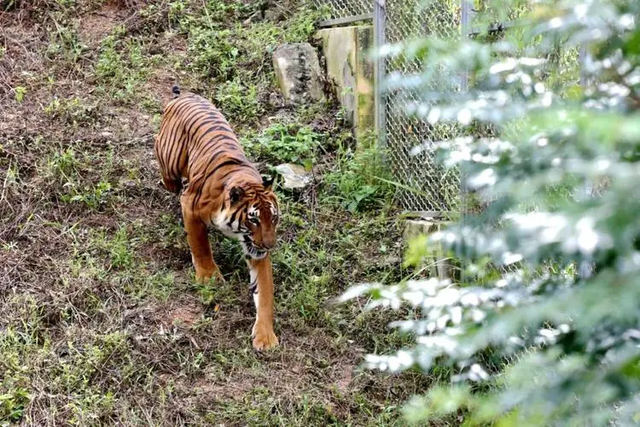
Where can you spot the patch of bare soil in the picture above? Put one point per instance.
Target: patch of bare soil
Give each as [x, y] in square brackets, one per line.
[98, 25]
[186, 313]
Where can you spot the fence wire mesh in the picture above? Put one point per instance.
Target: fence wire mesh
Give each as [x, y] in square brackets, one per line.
[344, 8]
[439, 188]
[424, 186]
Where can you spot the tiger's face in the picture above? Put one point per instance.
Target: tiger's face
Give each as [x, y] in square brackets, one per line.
[256, 216]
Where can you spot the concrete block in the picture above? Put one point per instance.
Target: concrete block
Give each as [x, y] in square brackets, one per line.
[439, 265]
[346, 52]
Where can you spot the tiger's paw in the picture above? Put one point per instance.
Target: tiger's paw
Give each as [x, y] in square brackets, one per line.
[213, 277]
[263, 338]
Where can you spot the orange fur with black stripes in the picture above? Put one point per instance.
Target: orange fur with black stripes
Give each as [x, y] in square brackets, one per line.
[224, 190]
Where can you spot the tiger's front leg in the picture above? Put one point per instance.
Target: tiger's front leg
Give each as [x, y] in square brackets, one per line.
[198, 239]
[261, 273]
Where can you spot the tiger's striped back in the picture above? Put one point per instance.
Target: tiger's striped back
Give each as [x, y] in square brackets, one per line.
[196, 142]
[224, 189]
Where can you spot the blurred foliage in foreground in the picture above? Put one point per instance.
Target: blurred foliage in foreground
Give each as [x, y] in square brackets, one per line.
[545, 327]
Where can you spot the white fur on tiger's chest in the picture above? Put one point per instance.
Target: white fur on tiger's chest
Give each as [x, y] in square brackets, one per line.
[221, 222]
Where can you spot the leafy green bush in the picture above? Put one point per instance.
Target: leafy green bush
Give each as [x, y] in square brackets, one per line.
[213, 52]
[360, 181]
[285, 143]
[238, 101]
[552, 337]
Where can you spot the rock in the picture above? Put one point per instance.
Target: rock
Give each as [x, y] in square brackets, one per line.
[295, 176]
[415, 228]
[298, 72]
[275, 100]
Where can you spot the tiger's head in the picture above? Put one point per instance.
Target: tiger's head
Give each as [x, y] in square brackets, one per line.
[254, 217]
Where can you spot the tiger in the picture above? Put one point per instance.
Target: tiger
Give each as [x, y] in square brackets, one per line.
[224, 190]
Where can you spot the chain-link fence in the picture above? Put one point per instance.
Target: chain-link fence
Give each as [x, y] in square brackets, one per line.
[439, 188]
[346, 8]
[423, 185]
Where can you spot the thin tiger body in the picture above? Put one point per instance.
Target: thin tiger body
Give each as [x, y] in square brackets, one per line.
[224, 190]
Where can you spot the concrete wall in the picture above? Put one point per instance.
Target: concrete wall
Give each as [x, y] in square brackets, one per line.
[348, 67]
[439, 265]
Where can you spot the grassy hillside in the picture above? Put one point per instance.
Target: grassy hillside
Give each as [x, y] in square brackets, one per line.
[101, 321]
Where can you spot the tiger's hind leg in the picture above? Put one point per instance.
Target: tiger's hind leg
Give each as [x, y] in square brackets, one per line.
[170, 165]
[172, 185]
[198, 239]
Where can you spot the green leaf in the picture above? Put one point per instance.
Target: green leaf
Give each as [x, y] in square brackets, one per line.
[20, 92]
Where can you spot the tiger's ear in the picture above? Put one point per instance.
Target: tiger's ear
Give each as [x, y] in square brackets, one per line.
[267, 182]
[235, 194]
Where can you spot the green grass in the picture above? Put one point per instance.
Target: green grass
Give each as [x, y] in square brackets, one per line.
[101, 321]
[285, 143]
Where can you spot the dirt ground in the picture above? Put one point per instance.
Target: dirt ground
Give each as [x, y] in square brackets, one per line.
[101, 321]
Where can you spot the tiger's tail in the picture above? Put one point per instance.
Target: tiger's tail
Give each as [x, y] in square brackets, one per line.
[176, 91]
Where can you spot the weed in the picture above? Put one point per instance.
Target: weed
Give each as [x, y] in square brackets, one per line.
[12, 404]
[93, 196]
[286, 143]
[121, 65]
[20, 92]
[159, 285]
[172, 231]
[120, 250]
[358, 181]
[65, 44]
[213, 53]
[63, 165]
[218, 292]
[238, 101]
[11, 177]
[73, 110]
[303, 26]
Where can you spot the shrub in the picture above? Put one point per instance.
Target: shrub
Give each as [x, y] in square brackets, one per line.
[285, 143]
[550, 338]
[361, 180]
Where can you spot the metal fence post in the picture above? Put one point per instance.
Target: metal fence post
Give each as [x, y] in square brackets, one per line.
[379, 23]
[464, 33]
[464, 87]
[583, 57]
[585, 269]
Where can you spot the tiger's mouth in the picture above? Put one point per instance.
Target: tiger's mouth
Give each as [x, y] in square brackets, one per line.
[250, 249]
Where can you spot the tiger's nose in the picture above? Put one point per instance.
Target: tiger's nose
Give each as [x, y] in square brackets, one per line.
[269, 243]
